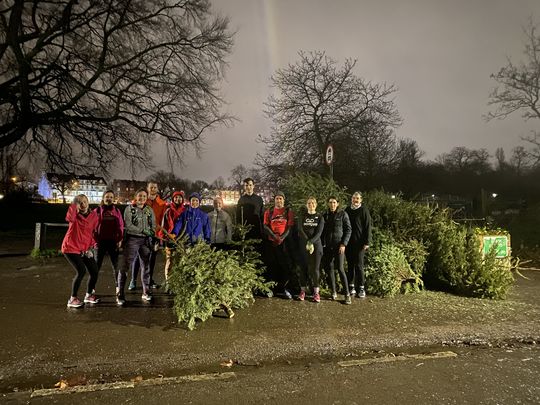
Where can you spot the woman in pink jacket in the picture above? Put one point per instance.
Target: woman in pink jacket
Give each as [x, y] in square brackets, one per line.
[78, 246]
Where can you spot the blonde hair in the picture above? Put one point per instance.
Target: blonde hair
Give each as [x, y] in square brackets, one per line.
[311, 198]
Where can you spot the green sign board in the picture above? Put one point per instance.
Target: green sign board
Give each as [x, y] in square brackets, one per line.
[500, 242]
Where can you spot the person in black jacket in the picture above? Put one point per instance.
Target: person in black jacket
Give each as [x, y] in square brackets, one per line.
[250, 209]
[358, 244]
[336, 235]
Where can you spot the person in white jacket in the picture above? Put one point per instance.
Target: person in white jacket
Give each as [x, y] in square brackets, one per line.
[220, 225]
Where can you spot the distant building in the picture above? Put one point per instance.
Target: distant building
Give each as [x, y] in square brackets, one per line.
[230, 197]
[125, 189]
[60, 187]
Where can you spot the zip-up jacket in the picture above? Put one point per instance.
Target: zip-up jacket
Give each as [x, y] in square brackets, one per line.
[139, 221]
[172, 213]
[110, 224]
[195, 224]
[221, 225]
[80, 234]
[158, 206]
[337, 229]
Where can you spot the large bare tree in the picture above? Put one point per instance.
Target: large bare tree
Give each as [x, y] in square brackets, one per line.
[87, 81]
[518, 87]
[315, 102]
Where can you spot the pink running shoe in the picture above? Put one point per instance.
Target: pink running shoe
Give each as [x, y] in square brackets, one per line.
[302, 295]
[91, 299]
[74, 302]
[316, 298]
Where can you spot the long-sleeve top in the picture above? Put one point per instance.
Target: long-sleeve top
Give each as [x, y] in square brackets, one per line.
[278, 223]
[337, 228]
[361, 225]
[80, 234]
[311, 228]
[195, 224]
[249, 211]
[110, 225]
[221, 225]
[139, 221]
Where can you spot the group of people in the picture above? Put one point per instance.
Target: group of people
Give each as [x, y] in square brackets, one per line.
[318, 241]
[314, 241]
[148, 220]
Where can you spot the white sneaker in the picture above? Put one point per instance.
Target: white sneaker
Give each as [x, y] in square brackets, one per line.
[146, 297]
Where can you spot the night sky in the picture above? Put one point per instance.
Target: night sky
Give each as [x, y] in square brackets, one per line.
[439, 54]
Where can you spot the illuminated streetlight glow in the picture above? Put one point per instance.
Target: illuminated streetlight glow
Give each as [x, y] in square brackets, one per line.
[494, 195]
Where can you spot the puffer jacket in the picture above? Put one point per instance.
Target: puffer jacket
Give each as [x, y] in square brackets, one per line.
[337, 229]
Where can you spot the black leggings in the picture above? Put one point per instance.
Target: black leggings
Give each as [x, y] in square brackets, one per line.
[109, 247]
[331, 256]
[355, 263]
[82, 264]
[312, 267]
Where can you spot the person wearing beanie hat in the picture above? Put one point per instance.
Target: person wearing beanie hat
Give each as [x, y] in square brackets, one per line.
[277, 225]
[172, 213]
[193, 222]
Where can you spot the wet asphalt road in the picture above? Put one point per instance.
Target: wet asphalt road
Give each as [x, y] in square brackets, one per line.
[476, 376]
[286, 350]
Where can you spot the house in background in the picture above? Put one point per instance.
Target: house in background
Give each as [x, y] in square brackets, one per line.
[125, 189]
[62, 188]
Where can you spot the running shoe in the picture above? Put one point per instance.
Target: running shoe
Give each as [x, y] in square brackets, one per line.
[348, 300]
[154, 285]
[74, 302]
[120, 300]
[302, 295]
[146, 297]
[132, 285]
[334, 296]
[316, 297]
[361, 293]
[287, 294]
[352, 291]
[91, 299]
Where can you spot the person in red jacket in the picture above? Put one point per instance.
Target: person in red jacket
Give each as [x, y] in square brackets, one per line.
[172, 213]
[77, 247]
[109, 232]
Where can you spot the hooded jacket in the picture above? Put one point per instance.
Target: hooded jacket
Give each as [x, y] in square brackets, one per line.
[110, 224]
[194, 223]
[80, 234]
[173, 212]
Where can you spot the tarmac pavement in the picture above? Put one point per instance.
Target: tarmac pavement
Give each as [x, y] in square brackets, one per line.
[44, 342]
